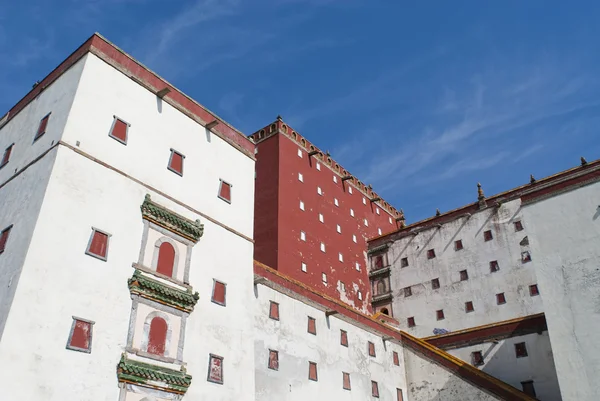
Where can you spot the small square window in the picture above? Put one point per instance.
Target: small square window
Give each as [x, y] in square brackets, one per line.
[377, 210]
[399, 395]
[339, 229]
[98, 244]
[4, 238]
[312, 371]
[324, 278]
[528, 388]
[487, 235]
[225, 191]
[500, 299]
[302, 236]
[42, 127]
[521, 350]
[322, 247]
[431, 254]
[477, 358]
[366, 223]
[340, 257]
[469, 307]
[533, 290]
[319, 191]
[494, 266]
[273, 310]
[273, 360]
[379, 231]
[346, 381]
[80, 337]
[218, 294]
[352, 212]
[396, 358]
[318, 166]
[374, 389]
[458, 245]
[321, 218]
[176, 162]
[525, 257]
[359, 294]
[440, 314]
[300, 177]
[335, 202]
[364, 201]
[301, 205]
[354, 239]
[518, 225]
[6, 156]
[335, 179]
[215, 369]
[344, 338]
[371, 347]
[464, 276]
[300, 153]
[435, 283]
[404, 262]
[312, 326]
[407, 291]
[119, 130]
[411, 322]
[303, 267]
[357, 265]
[350, 190]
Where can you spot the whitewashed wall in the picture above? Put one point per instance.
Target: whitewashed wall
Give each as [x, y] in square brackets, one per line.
[501, 362]
[565, 235]
[513, 278]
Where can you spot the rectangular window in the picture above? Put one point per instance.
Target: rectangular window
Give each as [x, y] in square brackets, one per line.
[98, 244]
[225, 191]
[300, 153]
[342, 286]
[431, 254]
[312, 371]
[464, 276]
[318, 166]
[340, 257]
[176, 162]
[6, 155]
[335, 202]
[352, 212]
[533, 290]
[273, 310]
[300, 177]
[374, 389]
[494, 266]
[487, 235]
[377, 210]
[366, 223]
[411, 322]
[322, 247]
[312, 325]
[346, 381]
[4, 238]
[339, 229]
[520, 350]
[350, 190]
[528, 388]
[440, 314]
[500, 299]
[321, 218]
[344, 338]
[215, 369]
[469, 307]
[525, 257]
[273, 360]
[518, 226]
[357, 266]
[303, 267]
[354, 239]
[319, 191]
[324, 278]
[396, 358]
[371, 349]
[218, 295]
[301, 205]
[399, 395]
[435, 283]
[477, 358]
[80, 337]
[42, 127]
[119, 130]
[379, 261]
[407, 291]
[359, 294]
[302, 236]
[458, 245]
[364, 201]
[390, 220]
[404, 262]
[335, 179]
[379, 231]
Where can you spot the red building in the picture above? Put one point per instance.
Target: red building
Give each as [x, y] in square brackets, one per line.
[312, 217]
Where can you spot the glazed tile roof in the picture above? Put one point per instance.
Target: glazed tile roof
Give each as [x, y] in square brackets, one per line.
[146, 374]
[163, 293]
[172, 221]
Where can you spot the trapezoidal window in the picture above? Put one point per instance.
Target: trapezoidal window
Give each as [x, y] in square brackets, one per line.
[225, 191]
[98, 244]
[218, 295]
[80, 337]
[119, 130]
[176, 162]
[157, 336]
[42, 127]
[4, 238]
[6, 156]
[166, 259]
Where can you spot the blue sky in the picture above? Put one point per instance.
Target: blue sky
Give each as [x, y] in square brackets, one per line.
[420, 99]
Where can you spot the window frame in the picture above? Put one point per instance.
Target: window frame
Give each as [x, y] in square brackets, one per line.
[38, 135]
[374, 389]
[464, 277]
[311, 364]
[407, 291]
[208, 378]
[404, 262]
[471, 305]
[173, 151]
[343, 336]
[112, 127]
[269, 360]
[537, 290]
[311, 319]
[6, 155]
[479, 354]
[371, 349]
[271, 304]
[439, 314]
[91, 335]
[458, 245]
[500, 298]
[494, 266]
[435, 283]
[87, 250]
[488, 235]
[431, 254]
[518, 226]
[410, 322]
[344, 376]
[221, 182]
[523, 353]
[212, 296]
[7, 231]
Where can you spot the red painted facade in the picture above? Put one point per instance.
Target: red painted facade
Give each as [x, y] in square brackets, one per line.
[303, 202]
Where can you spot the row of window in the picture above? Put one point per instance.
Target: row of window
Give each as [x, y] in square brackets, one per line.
[469, 307]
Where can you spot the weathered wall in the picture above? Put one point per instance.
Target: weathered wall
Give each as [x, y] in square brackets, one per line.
[564, 239]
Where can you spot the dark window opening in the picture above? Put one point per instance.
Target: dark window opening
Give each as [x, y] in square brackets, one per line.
[487, 235]
[477, 358]
[500, 298]
[458, 245]
[464, 275]
[411, 322]
[435, 283]
[404, 262]
[533, 290]
[440, 314]
[469, 306]
[521, 350]
[431, 254]
[494, 266]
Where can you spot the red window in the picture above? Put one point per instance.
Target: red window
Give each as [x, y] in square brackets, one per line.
[6, 156]
[528, 388]
[312, 326]
[374, 389]
[98, 245]
[4, 238]
[346, 380]
[274, 310]
[469, 306]
[487, 235]
[119, 130]
[404, 262]
[396, 359]
[518, 226]
[525, 257]
[225, 191]
[477, 358]
[157, 336]
[431, 254]
[500, 298]
[440, 314]
[42, 127]
[435, 283]
[273, 360]
[494, 266]
[521, 350]
[166, 259]
[344, 338]
[464, 275]
[176, 162]
[312, 371]
[379, 262]
[407, 291]
[533, 289]
[399, 395]
[458, 245]
[215, 369]
[411, 322]
[218, 295]
[371, 349]
[80, 338]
